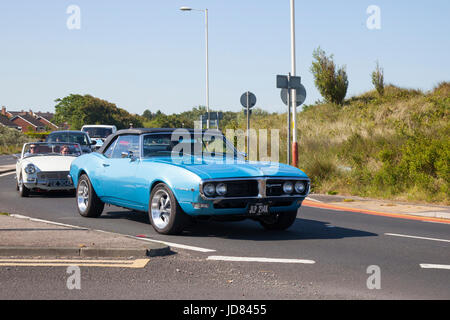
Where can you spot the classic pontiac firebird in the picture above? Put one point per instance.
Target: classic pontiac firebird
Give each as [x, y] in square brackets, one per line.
[177, 175]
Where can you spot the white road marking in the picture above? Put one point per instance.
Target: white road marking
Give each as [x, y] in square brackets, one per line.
[434, 266]
[7, 173]
[176, 245]
[253, 259]
[415, 237]
[46, 221]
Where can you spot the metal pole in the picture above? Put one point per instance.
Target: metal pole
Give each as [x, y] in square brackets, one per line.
[207, 70]
[288, 160]
[294, 93]
[248, 126]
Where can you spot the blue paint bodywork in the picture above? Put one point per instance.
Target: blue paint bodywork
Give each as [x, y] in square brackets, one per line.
[128, 182]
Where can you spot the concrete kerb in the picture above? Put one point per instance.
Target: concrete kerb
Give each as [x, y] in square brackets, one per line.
[151, 251]
[42, 247]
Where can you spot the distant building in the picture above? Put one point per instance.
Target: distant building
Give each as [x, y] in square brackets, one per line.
[27, 122]
[4, 121]
[24, 120]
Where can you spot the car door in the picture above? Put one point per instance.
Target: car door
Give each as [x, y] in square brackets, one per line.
[120, 166]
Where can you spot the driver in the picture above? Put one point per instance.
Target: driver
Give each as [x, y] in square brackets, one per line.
[65, 150]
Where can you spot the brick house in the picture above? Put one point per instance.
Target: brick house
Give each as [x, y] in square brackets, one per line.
[27, 122]
[4, 121]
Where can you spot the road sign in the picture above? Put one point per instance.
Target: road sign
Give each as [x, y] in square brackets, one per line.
[213, 115]
[301, 95]
[288, 82]
[248, 97]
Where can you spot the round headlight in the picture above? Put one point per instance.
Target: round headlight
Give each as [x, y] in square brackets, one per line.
[209, 189]
[30, 169]
[299, 187]
[221, 189]
[288, 187]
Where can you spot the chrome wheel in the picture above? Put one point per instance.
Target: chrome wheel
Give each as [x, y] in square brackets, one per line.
[83, 196]
[161, 209]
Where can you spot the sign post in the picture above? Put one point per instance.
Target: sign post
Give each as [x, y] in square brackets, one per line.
[287, 84]
[248, 101]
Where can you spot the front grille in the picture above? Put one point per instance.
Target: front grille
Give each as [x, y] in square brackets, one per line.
[274, 187]
[247, 188]
[52, 175]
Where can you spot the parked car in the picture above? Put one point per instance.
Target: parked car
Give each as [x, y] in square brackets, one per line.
[150, 170]
[73, 136]
[44, 166]
[99, 132]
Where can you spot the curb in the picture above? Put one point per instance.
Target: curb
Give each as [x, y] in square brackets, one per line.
[151, 251]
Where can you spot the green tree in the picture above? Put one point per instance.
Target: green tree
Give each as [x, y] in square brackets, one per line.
[331, 83]
[78, 110]
[378, 79]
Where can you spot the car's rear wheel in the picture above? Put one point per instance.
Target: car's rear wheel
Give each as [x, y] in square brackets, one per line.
[279, 221]
[88, 203]
[23, 191]
[166, 215]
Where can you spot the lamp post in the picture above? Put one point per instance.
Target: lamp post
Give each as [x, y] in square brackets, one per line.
[207, 63]
[294, 93]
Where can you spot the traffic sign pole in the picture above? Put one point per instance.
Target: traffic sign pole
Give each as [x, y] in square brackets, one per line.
[294, 93]
[248, 126]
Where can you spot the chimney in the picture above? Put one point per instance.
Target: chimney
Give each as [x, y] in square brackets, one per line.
[4, 110]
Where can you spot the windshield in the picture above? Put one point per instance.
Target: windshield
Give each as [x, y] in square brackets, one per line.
[161, 144]
[45, 149]
[97, 132]
[73, 137]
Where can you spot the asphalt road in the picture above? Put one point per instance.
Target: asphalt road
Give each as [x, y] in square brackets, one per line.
[345, 249]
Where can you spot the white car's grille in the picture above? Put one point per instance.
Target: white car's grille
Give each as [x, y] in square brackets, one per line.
[49, 175]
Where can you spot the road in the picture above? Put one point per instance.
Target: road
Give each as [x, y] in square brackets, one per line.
[337, 254]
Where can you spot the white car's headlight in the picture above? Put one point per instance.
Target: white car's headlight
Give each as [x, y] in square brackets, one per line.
[30, 168]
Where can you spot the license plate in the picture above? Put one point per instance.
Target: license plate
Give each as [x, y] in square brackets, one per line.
[258, 209]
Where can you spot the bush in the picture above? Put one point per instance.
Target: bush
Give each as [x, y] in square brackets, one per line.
[378, 79]
[331, 84]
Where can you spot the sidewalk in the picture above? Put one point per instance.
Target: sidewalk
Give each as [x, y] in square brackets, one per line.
[21, 236]
[381, 207]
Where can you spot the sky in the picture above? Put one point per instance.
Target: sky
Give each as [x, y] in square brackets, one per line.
[147, 54]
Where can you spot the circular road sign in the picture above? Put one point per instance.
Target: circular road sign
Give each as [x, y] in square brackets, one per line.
[251, 99]
[301, 95]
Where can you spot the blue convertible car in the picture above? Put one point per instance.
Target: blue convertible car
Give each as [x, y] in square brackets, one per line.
[177, 175]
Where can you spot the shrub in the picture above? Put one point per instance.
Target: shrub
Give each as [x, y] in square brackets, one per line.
[331, 83]
[378, 79]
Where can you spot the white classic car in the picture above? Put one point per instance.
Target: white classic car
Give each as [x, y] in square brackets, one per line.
[44, 166]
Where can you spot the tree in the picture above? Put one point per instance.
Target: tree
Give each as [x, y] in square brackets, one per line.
[78, 110]
[378, 79]
[331, 84]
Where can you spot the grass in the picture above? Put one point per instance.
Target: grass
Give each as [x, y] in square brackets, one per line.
[391, 147]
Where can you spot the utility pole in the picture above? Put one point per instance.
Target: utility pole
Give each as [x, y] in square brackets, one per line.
[294, 91]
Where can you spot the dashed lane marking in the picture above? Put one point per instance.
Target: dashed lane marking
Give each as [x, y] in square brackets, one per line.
[415, 237]
[254, 259]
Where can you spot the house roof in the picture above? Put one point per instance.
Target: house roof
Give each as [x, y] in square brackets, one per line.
[6, 122]
[33, 121]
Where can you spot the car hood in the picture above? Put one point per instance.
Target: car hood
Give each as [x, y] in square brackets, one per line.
[213, 168]
[49, 163]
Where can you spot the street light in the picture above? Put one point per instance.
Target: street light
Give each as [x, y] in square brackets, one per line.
[207, 64]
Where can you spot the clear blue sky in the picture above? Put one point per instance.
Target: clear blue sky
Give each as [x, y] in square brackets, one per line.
[150, 55]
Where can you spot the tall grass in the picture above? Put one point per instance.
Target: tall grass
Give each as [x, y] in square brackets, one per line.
[394, 146]
[11, 140]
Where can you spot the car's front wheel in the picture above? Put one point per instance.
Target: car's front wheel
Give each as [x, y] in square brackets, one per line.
[166, 215]
[88, 203]
[279, 221]
[23, 191]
